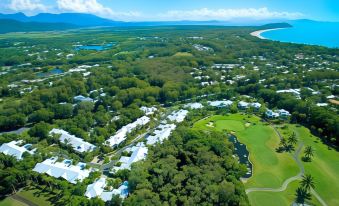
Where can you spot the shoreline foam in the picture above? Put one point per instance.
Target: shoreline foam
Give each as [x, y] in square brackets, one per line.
[259, 32]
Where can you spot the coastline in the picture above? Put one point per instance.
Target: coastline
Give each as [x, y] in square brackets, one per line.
[259, 32]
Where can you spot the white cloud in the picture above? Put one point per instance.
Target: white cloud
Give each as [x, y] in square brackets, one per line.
[93, 7]
[27, 5]
[227, 14]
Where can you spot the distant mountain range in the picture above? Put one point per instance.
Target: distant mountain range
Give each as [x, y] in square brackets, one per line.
[47, 21]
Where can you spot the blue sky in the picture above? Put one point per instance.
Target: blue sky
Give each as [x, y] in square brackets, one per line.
[141, 10]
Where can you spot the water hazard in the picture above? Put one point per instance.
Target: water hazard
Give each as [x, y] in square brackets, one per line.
[242, 153]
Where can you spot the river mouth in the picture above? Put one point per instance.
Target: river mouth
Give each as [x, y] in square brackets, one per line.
[241, 152]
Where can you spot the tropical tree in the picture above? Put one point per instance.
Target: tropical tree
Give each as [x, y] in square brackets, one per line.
[309, 153]
[307, 182]
[292, 139]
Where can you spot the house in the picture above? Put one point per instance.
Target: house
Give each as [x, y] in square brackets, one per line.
[161, 133]
[178, 116]
[255, 105]
[64, 169]
[283, 113]
[243, 105]
[13, 149]
[148, 110]
[220, 104]
[270, 114]
[97, 189]
[295, 92]
[81, 98]
[139, 152]
[78, 144]
[195, 105]
[121, 134]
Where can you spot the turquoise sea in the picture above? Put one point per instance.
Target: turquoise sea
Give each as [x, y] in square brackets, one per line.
[307, 32]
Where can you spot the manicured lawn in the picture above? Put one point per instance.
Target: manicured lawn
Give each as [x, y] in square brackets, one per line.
[11, 202]
[324, 166]
[36, 196]
[286, 197]
[270, 169]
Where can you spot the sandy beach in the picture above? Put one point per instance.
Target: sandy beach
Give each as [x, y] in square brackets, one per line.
[258, 33]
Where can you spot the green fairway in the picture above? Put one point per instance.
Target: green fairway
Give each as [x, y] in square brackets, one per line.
[270, 169]
[36, 196]
[324, 166]
[286, 197]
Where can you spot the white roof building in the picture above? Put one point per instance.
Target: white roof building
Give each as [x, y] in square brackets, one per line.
[13, 149]
[97, 189]
[78, 144]
[139, 152]
[270, 114]
[295, 92]
[283, 113]
[223, 103]
[65, 169]
[195, 105]
[178, 116]
[148, 110]
[121, 134]
[243, 105]
[161, 133]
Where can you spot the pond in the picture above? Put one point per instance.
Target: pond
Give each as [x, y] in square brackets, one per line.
[94, 47]
[242, 153]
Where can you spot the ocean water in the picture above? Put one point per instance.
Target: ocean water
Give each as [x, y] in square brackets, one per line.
[94, 47]
[307, 32]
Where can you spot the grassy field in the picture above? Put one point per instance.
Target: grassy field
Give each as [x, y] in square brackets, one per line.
[11, 202]
[270, 169]
[278, 198]
[31, 194]
[324, 167]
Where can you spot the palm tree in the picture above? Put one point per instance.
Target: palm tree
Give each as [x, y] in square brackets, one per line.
[283, 142]
[307, 182]
[292, 139]
[309, 152]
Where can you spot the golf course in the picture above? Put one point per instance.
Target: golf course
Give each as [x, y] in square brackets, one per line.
[276, 175]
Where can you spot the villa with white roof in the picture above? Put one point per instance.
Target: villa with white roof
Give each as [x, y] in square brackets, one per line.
[139, 152]
[220, 104]
[121, 134]
[246, 105]
[13, 149]
[65, 169]
[78, 144]
[178, 116]
[161, 133]
[148, 110]
[97, 189]
[279, 113]
[195, 105]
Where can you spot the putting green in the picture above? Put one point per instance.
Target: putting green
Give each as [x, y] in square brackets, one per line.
[324, 166]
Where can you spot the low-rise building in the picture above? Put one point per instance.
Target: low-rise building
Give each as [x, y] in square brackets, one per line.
[195, 105]
[78, 144]
[81, 98]
[14, 149]
[139, 152]
[97, 189]
[121, 134]
[220, 104]
[178, 116]
[64, 169]
[161, 133]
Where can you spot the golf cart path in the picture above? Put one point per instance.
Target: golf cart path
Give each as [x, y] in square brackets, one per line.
[291, 179]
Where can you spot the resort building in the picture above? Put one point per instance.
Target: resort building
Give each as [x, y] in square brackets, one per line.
[243, 105]
[161, 133]
[64, 169]
[220, 104]
[195, 105]
[178, 116]
[78, 144]
[283, 113]
[139, 152]
[81, 98]
[270, 114]
[295, 92]
[14, 149]
[148, 110]
[121, 134]
[97, 189]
